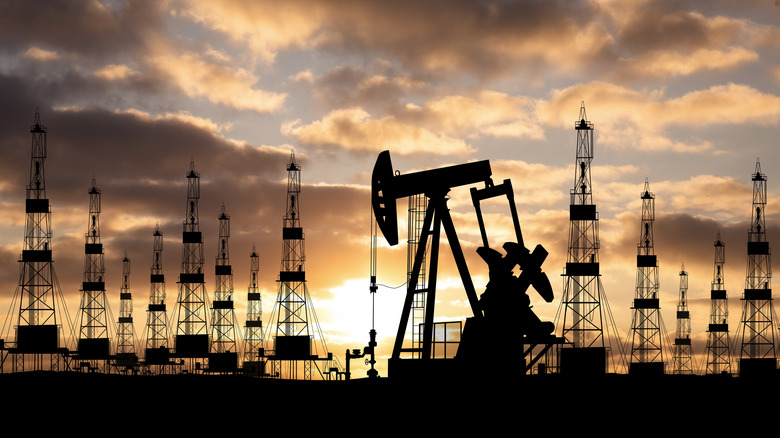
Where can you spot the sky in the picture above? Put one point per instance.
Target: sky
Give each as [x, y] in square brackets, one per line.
[683, 94]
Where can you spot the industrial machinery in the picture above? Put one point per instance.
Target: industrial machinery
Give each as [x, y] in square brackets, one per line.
[502, 324]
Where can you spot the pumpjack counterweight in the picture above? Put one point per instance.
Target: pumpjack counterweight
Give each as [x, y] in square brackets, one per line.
[758, 353]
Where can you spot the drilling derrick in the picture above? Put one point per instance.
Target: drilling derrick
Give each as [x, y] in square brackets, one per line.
[93, 343]
[38, 331]
[223, 356]
[253, 344]
[294, 341]
[157, 351]
[585, 350]
[125, 344]
[758, 332]
[192, 336]
[718, 354]
[646, 351]
[682, 357]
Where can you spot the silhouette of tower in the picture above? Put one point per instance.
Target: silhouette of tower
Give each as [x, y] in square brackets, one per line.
[192, 335]
[418, 205]
[294, 344]
[93, 343]
[718, 344]
[758, 332]
[583, 318]
[253, 342]
[38, 332]
[157, 351]
[682, 356]
[224, 356]
[125, 343]
[646, 351]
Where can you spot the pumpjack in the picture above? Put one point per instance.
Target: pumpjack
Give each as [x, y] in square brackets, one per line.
[502, 325]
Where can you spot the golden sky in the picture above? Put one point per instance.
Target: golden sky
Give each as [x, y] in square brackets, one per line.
[685, 94]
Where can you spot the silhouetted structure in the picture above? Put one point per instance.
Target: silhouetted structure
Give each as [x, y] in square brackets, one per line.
[39, 324]
[502, 316]
[157, 354]
[224, 354]
[646, 349]
[758, 354]
[253, 329]
[126, 357]
[718, 344]
[418, 204]
[682, 357]
[94, 342]
[584, 303]
[192, 334]
[295, 324]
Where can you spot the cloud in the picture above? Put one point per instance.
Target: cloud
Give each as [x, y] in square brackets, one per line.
[640, 118]
[354, 129]
[114, 72]
[232, 87]
[40, 54]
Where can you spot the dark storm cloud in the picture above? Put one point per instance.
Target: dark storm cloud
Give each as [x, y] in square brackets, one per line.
[82, 27]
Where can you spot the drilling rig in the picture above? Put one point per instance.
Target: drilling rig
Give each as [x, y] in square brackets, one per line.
[501, 317]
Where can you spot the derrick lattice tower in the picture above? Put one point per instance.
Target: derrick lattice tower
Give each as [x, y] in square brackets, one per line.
[192, 335]
[418, 205]
[758, 352]
[583, 297]
[683, 356]
[253, 342]
[38, 323]
[295, 325]
[224, 356]
[94, 341]
[718, 344]
[157, 350]
[125, 342]
[646, 349]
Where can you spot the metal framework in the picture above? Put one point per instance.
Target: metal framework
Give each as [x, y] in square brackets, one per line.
[294, 320]
[253, 342]
[682, 357]
[718, 344]
[646, 349]
[156, 351]
[94, 343]
[758, 331]
[223, 337]
[418, 205]
[38, 329]
[126, 357]
[583, 316]
[192, 334]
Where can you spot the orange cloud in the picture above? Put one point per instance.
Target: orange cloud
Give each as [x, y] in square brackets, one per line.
[354, 129]
[40, 54]
[220, 84]
[639, 118]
